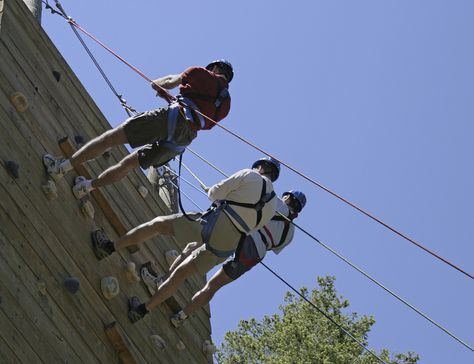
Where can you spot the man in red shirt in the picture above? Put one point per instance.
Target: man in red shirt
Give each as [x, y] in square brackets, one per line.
[162, 133]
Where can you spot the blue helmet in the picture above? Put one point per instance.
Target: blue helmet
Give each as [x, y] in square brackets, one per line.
[226, 67]
[299, 196]
[269, 161]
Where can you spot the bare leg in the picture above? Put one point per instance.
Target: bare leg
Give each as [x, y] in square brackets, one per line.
[117, 171]
[204, 296]
[143, 232]
[184, 254]
[171, 285]
[99, 145]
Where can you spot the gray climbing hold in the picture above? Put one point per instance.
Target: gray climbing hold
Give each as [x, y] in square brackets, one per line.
[72, 284]
[13, 168]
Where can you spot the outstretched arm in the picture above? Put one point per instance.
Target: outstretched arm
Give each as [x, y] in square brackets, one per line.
[166, 82]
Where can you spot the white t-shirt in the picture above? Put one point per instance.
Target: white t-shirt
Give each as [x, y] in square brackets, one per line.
[245, 186]
[272, 233]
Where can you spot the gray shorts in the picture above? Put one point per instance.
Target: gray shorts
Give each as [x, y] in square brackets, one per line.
[149, 128]
[245, 258]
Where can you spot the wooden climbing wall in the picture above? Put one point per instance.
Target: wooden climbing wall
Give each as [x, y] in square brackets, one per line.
[43, 241]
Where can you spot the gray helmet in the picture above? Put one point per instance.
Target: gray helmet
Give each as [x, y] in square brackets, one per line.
[299, 196]
[226, 67]
[273, 162]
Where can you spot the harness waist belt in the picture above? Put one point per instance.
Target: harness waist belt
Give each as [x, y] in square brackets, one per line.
[191, 110]
[220, 253]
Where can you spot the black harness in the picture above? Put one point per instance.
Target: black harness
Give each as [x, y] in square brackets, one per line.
[209, 218]
[286, 228]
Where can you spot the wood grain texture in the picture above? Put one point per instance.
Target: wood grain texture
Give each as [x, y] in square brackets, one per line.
[43, 241]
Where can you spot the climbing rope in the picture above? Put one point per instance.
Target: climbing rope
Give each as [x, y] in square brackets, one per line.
[324, 314]
[128, 109]
[169, 98]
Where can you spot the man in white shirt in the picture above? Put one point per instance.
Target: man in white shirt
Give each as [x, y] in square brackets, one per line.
[241, 203]
[274, 236]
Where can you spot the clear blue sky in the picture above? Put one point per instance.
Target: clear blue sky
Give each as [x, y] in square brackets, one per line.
[373, 99]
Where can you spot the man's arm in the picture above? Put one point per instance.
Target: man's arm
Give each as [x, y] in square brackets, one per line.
[221, 190]
[166, 82]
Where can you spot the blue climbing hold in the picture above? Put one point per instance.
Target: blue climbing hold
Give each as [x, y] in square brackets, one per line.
[72, 284]
[13, 168]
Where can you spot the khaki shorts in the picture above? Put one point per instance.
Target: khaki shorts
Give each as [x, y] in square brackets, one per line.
[225, 236]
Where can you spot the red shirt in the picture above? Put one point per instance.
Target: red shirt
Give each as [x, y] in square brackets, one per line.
[203, 88]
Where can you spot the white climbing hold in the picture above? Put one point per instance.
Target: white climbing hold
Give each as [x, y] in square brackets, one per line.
[19, 101]
[142, 190]
[50, 190]
[208, 347]
[42, 288]
[131, 272]
[158, 342]
[171, 256]
[180, 345]
[110, 287]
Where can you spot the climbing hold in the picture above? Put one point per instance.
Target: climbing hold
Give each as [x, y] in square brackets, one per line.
[50, 190]
[180, 345]
[131, 272]
[106, 154]
[208, 347]
[57, 75]
[79, 139]
[171, 256]
[158, 342]
[142, 190]
[87, 208]
[41, 287]
[110, 287]
[13, 168]
[72, 284]
[19, 101]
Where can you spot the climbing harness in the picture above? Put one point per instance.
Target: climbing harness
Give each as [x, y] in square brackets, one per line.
[209, 218]
[287, 220]
[258, 206]
[221, 95]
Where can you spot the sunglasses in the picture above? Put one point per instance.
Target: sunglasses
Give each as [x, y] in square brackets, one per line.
[294, 203]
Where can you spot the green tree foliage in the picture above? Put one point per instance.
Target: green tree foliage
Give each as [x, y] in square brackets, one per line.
[303, 335]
